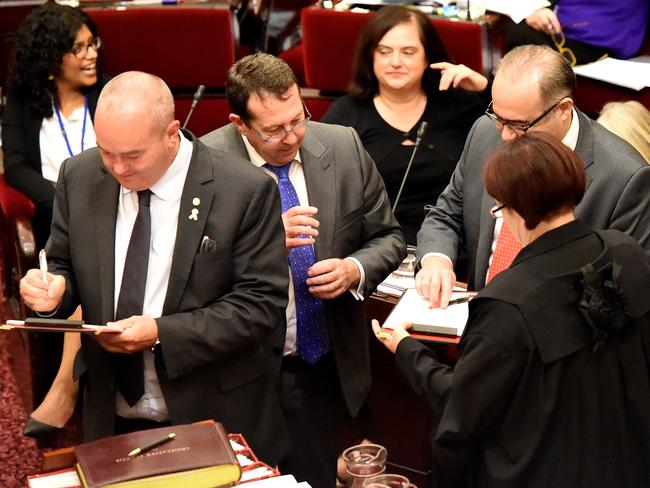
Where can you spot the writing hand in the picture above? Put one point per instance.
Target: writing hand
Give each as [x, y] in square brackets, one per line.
[39, 295]
[138, 333]
[391, 337]
[300, 221]
[330, 278]
[435, 281]
[544, 20]
[459, 76]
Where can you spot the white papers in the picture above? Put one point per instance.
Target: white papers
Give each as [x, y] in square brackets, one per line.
[415, 309]
[517, 10]
[66, 478]
[278, 482]
[630, 74]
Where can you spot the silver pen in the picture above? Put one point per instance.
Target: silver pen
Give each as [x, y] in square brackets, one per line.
[42, 262]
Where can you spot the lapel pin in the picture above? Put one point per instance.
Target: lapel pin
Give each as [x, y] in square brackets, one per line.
[196, 201]
[194, 215]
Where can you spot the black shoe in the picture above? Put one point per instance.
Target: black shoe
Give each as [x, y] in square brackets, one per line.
[35, 428]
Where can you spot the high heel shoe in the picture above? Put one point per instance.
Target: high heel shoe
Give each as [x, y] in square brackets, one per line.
[36, 429]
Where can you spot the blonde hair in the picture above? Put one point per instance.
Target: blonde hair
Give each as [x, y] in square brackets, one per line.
[631, 121]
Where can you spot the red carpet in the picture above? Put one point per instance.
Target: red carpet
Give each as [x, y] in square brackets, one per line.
[18, 455]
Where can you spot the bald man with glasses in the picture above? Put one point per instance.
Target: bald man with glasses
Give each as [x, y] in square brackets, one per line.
[532, 91]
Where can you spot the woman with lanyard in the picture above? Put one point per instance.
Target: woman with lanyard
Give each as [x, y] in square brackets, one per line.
[52, 94]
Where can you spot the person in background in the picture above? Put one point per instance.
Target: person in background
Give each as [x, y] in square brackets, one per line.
[400, 78]
[181, 249]
[341, 240]
[532, 91]
[631, 121]
[584, 31]
[52, 94]
[552, 386]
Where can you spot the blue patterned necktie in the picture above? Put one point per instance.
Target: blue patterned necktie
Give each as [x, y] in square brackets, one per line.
[310, 314]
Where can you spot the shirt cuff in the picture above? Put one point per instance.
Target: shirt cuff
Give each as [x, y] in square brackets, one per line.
[358, 293]
[435, 254]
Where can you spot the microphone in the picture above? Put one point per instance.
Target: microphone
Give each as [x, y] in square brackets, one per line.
[421, 131]
[197, 98]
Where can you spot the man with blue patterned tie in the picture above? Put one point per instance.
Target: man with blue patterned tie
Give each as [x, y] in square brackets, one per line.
[342, 240]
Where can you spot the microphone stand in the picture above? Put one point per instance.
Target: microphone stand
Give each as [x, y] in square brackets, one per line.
[421, 131]
[197, 97]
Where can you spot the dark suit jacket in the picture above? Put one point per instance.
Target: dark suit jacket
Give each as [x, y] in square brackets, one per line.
[355, 220]
[530, 402]
[616, 196]
[22, 154]
[220, 309]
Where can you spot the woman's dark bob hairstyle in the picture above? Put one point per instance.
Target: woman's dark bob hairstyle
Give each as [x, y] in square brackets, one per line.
[46, 35]
[364, 84]
[537, 176]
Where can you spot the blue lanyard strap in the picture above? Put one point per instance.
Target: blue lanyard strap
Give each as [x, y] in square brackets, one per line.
[83, 127]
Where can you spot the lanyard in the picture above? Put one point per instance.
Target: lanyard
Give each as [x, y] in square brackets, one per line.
[83, 127]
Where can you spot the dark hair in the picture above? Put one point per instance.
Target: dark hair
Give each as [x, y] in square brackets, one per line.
[46, 35]
[556, 76]
[256, 74]
[537, 176]
[364, 83]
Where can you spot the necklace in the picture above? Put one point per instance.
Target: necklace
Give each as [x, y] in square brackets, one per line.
[83, 127]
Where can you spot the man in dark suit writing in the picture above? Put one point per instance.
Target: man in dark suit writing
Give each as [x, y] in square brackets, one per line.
[181, 248]
[342, 240]
[533, 90]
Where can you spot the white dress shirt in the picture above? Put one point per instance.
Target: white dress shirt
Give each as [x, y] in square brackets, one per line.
[297, 178]
[164, 209]
[53, 148]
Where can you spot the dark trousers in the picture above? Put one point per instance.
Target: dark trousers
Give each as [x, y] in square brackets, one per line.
[314, 409]
[125, 426]
[520, 34]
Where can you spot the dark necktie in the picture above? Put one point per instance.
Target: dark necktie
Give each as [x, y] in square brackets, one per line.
[129, 368]
[311, 327]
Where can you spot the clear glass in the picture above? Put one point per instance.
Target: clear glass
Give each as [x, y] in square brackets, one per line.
[388, 481]
[362, 462]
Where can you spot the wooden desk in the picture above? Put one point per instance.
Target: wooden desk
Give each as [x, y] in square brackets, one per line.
[402, 421]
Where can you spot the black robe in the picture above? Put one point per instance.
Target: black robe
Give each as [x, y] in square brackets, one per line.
[530, 403]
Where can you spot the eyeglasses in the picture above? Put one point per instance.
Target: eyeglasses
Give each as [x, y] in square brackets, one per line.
[496, 211]
[559, 40]
[280, 133]
[80, 50]
[518, 127]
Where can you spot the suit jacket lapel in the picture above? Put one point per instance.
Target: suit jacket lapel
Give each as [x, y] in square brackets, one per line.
[585, 145]
[320, 178]
[105, 204]
[190, 232]
[486, 236]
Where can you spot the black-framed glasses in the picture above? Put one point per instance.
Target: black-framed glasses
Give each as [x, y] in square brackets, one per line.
[496, 211]
[281, 132]
[81, 49]
[520, 127]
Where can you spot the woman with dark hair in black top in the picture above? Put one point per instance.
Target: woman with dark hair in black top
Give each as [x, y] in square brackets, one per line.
[52, 94]
[394, 88]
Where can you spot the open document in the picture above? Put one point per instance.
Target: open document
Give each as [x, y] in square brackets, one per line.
[628, 73]
[412, 308]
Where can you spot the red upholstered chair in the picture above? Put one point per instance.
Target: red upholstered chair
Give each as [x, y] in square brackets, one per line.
[186, 47]
[330, 37]
[17, 247]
